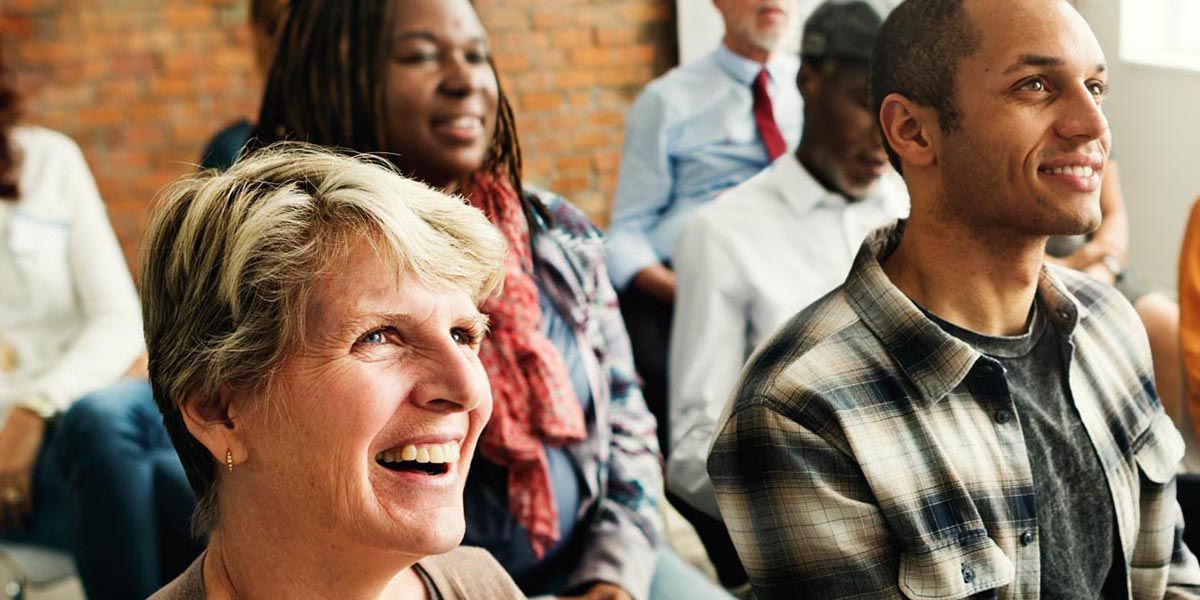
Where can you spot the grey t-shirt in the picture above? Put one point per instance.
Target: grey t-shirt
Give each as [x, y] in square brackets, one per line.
[1076, 519]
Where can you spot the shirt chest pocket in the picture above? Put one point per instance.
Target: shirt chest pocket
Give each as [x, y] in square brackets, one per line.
[1158, 450]
[40, 253]
[1157, 453]
[972, 568]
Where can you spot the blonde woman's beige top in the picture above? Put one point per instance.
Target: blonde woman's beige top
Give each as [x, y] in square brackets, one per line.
[464, 573]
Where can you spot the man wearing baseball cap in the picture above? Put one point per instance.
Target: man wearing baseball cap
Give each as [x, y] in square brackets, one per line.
[762, 251]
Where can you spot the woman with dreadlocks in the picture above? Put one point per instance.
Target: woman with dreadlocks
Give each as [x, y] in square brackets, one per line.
[564, 489]
[69, 317]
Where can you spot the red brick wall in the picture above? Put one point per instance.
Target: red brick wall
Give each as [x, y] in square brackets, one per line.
[143, 84]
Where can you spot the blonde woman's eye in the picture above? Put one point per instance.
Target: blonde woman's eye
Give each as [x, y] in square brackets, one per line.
[465, 337]
[375, 337]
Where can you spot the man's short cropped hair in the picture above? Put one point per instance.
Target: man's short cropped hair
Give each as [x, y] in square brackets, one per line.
[917, 56]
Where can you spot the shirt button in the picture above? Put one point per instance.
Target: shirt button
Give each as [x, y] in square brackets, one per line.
[968, 574]
[1064, 314]
[1003, 417]
[1027, 538]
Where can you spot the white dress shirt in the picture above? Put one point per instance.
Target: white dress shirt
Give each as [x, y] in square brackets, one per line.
[68, 308]
[745, 264]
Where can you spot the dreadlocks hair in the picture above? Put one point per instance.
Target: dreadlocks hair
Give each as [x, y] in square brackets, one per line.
[326, 86]
[9, 111]
[917, 56]
[268, 15]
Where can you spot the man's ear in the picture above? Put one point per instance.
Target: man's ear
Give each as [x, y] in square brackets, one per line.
[213, 421]
[911, 130]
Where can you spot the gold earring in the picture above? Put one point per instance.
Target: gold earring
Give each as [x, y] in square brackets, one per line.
[229, 460]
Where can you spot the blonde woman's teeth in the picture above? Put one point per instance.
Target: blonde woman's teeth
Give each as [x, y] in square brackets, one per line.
[422, 453]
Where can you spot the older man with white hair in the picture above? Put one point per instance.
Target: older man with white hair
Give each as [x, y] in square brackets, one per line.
[698, 130]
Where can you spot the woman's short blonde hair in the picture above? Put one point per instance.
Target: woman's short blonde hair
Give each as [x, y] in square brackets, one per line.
[230, 259]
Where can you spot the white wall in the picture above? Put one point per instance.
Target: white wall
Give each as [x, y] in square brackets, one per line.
[699, 26]
[1155, 118]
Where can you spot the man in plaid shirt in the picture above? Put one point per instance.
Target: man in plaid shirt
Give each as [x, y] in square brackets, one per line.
[958, 419]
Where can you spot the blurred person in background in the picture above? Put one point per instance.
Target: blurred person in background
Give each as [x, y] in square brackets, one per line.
[760, 252]
[700, 129]
[314, 341]
[125, 477]
[266, 19]
[1189, 343]
[1189, 310]
[69, 319]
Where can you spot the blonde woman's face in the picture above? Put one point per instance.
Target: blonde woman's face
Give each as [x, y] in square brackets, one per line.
[378, 414]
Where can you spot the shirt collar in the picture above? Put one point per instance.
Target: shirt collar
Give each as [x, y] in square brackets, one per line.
[797, 187]
[743, 70]
[933, 360]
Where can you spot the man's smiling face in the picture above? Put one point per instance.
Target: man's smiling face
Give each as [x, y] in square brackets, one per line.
[1032, 140]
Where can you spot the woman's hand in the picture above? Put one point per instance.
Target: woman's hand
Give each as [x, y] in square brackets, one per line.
[601, 591]
[20, 440]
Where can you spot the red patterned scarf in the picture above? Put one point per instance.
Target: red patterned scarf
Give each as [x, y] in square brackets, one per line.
[535, 402]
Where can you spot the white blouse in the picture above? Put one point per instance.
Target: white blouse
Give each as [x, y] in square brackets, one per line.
[69, 313]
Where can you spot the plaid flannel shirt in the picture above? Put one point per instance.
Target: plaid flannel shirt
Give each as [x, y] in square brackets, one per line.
[864, 454]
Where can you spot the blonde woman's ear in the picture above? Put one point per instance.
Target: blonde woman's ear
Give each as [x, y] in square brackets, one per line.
[213, 422]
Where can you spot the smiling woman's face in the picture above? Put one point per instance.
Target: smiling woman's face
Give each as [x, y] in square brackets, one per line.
[389, 371]
[442, 94]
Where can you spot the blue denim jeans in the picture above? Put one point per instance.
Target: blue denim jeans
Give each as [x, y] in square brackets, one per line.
[674, 578]
[130, 498]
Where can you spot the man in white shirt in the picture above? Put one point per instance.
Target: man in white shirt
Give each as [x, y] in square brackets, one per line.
[762, 251]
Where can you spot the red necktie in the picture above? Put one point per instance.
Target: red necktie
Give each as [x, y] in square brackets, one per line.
[764, 117]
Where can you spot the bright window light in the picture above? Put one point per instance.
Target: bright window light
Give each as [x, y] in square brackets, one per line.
[1161, 33]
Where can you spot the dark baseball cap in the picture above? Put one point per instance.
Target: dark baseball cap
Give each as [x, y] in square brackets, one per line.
[841, 29]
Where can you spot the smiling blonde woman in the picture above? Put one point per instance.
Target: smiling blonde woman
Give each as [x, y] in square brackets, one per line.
[313, 333]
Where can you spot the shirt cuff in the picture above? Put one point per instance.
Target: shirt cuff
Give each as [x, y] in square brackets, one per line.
[687, 473]
[39, 404]
[628, 254]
